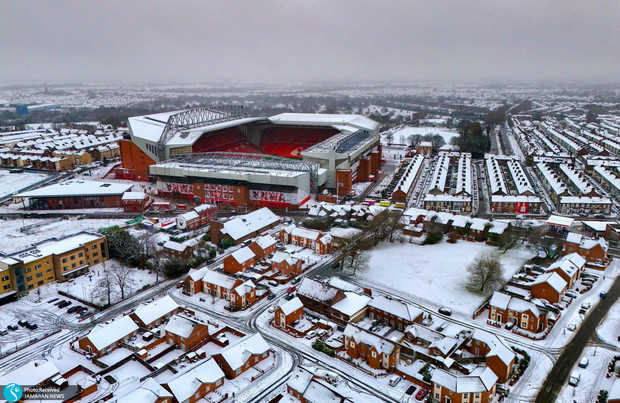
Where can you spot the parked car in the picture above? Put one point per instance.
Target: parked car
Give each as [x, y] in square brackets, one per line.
[574, 378]
[180, 284]
[445, 311]
[271, 296]
[289, 297]
[394, 380]
[73, 309]
[291, 289]
[273, 283]
[331, 377]
[52, 300]
[571, 294]
[411, 390]
[296, 280]
[603, 294]
[22, 323]
[32, 326]
[572, 326]
[310, 334]
[4, 332]
[12, 328]
[421, 394]
[584, 362]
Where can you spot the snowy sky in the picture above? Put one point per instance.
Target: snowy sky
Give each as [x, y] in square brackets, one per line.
[303, 40]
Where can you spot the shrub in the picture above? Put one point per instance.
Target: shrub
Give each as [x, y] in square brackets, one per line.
[226, 243]
[433, 237]
[320, 346]
[212, 253]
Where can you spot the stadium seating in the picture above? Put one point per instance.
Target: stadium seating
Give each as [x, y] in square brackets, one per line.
[228, 140]
[289, 142]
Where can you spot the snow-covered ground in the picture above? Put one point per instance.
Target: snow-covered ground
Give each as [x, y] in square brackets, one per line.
[13, 239]
[10, 183]
[592, 377]
[437, 274]
[609, 329]
[423, 131]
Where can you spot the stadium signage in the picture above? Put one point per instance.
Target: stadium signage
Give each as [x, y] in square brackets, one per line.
[266, 196]
[182, 188]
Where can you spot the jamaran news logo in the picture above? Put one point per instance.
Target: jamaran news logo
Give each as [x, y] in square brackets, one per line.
[12, 392]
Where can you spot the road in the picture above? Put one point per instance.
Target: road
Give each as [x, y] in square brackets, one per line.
[571, 353]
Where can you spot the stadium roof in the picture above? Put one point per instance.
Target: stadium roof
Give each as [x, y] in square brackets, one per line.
[74, 188]
[357, 121]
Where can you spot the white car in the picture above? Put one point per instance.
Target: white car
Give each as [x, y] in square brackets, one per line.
[572, 326]
[584, 362]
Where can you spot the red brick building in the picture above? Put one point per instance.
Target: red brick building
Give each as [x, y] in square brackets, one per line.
[134, 162]
[243, 355]
[550, 286]
[307, 238]
[392, 312]
[523, 314]
[477, 387]
[199, 217]
[105, 339]
[263, 246]
[499, 357]
[153, 314]
[378, 352]
[318, 296]
[288, 313]
[178, 251]
[243, 228]
[195, 384]
[569, 267]
[185, 332]
[593, 250]
[286, 264]
[137, 202]
[75, 194]
[239, 260]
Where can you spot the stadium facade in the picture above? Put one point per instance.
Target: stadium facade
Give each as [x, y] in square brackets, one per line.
[219, 154]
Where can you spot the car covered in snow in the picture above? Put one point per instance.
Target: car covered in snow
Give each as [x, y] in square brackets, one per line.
[583, 363]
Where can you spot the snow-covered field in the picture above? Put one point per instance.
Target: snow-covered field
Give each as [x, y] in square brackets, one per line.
[13, 239]
[423, 131]
[437, 273]
[609, 329]
[10, 183]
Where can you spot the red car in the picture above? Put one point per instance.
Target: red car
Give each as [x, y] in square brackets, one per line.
[291, 290]
[421, 394]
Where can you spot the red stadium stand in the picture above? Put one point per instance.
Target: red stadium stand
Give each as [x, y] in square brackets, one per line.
[290, 141]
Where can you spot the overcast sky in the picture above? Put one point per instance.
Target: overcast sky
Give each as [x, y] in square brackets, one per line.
[293, 40]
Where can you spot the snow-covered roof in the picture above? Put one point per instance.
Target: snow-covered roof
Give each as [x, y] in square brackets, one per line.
[305, 233]
[560, 221]
[479, 381]
[344, 285]
[588, 243]
[499, 300]
[266, 241]
[582, 185]
[179, 247]
[352, 303]
[157, 309]
[495, 175]
[316, 290]
[569, 264]
[33, 373]
[356, 121]
[496, 346]
[219, 279]
[554, 280]
[599, 226]
[574, 237]
[190, 215]
[106, 335]
[585, 200]
[245, 225]
[237, 354]
[284, 256]
[407, 180]
[244, 288]
[519, 177]
[134, 196]
[291, 306]
[243, 255]
[363, 336]
[521, 305]
[396, 308]
[54, 246]
[180, 325]
[300, 379]
[78, 188]
[148, 391]
[183, 386]
[498, 227]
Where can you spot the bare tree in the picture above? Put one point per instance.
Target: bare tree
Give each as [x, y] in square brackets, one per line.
[104, 287]
[122, 277]
[359, 262]
[158, 258]
[389, 137]
[486, 274]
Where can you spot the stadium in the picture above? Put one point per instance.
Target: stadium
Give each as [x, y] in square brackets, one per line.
[221, 155]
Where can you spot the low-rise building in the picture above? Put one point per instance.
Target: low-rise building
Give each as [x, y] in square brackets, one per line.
[569, 267]
[286, 263]
[185, 331]
[153, 314]
[593, 250]
[178, 251]
[288, 313]
[392, 312]
[198, 382]
[307, 238]
[549, 286]
[136, 201]
[104, 339]
[476, 387]
[378, 352]
[75, 194]
[521, 313]
[263, 246]
[239, 260]
[243, 355]
[242, 228]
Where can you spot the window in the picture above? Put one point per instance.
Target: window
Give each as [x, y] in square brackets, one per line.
[374, 355]
[81, 262]
[351, 343]
[64, 268]
[94, 247]
[5, 278]
[7, 286]
[72, 257]
[238, 371]
[37, 267]
[64, 260]
[29, 278]
[28, 270]
[96, 261]
[80, 254]
[95, 253]
[72, 265]
[39, 275]
[30, 286]
[477, 395]
[40, 282]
